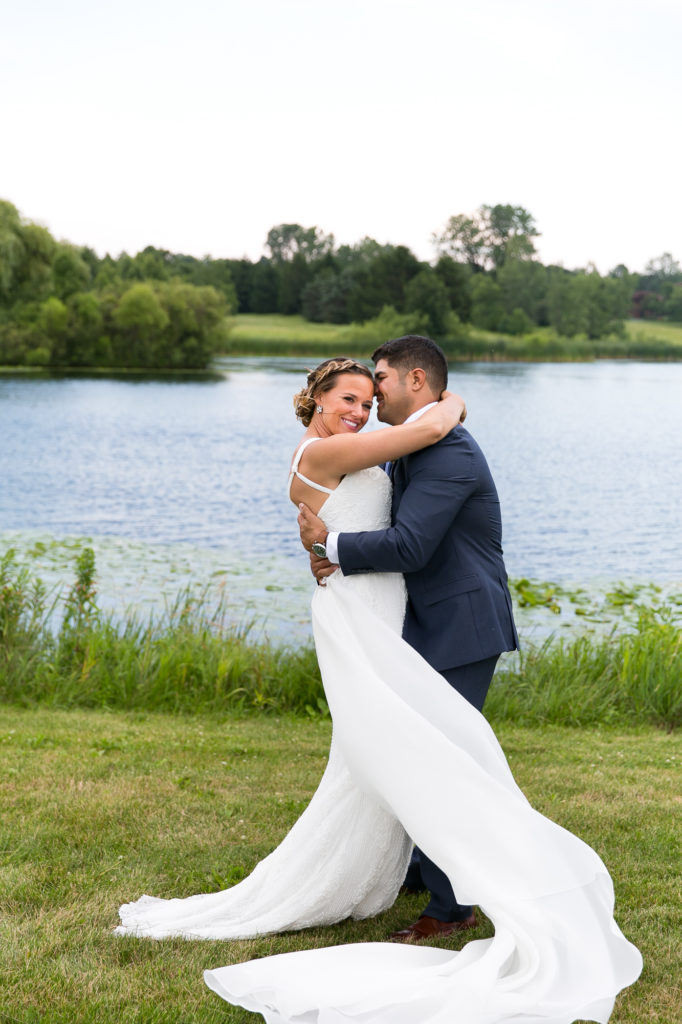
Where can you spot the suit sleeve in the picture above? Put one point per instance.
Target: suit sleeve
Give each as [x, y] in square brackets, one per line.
[440, 481]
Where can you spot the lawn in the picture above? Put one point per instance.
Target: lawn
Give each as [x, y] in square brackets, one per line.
[278, 327]
[273, 334]
[99, 807]
[644, 330]
[257, 334]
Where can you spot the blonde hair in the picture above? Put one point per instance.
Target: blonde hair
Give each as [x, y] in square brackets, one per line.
[322, 379]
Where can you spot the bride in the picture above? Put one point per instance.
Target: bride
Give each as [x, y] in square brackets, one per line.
[557, 954]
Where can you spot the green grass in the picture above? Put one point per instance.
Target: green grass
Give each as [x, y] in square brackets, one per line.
[654, 331]
[275, 334]
[99, 807]
[192, 661]
[277, 327]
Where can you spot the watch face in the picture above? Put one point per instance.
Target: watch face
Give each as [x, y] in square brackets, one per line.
[319, 549]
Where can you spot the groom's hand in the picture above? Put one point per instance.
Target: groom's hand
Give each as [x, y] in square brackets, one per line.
[321, 567]
[310, 526]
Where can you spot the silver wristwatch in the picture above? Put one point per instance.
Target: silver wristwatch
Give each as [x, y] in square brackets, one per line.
[319, 548]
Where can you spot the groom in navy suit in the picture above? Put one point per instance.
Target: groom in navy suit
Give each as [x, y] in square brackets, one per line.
[445, 538]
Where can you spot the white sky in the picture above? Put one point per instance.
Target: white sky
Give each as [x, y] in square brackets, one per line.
[197, 126]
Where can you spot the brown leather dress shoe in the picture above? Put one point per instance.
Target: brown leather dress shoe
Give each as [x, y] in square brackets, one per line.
[431, 928]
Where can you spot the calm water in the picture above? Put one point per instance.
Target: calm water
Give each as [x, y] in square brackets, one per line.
[183, 481]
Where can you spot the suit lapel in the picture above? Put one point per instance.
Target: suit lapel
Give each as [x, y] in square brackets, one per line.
[397, 475]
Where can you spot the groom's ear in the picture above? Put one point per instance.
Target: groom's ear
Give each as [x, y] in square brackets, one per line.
[416, 379]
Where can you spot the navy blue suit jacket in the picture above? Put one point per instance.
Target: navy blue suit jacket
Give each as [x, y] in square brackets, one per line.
[446, 538]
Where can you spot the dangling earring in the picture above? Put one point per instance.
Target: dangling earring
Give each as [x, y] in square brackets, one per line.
[318, 408]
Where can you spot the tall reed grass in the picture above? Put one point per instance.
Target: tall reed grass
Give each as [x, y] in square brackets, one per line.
[187, 660]
[190, 660]
[632, 676]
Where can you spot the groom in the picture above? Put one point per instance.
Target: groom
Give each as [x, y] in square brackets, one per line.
[446, 538]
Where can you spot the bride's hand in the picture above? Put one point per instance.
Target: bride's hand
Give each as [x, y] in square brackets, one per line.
[456, 404]
[447, 413]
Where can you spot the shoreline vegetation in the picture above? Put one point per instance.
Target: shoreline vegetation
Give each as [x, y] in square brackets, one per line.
[191, 661]
[278, 335]
[484, 296]
[256, 335]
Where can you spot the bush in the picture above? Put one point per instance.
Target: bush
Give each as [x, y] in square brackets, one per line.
[388, 324]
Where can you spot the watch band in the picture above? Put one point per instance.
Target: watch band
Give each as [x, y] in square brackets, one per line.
[319, 547]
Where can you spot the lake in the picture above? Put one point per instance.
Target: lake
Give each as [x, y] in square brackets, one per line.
[178, 482]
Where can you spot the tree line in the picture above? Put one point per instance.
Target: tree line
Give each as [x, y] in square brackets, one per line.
[62, 305]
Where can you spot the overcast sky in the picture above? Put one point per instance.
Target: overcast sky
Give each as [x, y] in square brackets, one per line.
[197, 126]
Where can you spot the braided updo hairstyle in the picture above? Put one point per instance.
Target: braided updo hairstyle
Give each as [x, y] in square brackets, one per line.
[322, 379]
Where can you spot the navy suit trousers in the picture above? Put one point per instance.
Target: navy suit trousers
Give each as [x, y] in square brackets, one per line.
[473, 682]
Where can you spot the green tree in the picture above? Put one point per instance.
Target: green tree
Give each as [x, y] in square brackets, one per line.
[285, 241]
[241, 272]
[85, 343]
[463, 239]
[150, 264]
[583, 302]
[568, 301]
[523, 285]
[516, 322]
[325, 298]
[661, 271]
[673, 304]
[360, 253]
[217, 274]
[292, 277]
[140, 321]
[106, 275]
[509, 232]
[457, 278]
[488, 237]
[487, 306]
[426, 293]
[70, 272]
[264, 287]
[382, 282]
[195, 327]
[26, 252]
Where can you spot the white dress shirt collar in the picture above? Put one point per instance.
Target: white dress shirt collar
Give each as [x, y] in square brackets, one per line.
[419, 412]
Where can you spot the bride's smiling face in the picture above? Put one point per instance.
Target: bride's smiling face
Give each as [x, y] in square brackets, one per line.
[346, 406]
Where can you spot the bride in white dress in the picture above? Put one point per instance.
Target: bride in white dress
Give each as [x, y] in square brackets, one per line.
[557, 954]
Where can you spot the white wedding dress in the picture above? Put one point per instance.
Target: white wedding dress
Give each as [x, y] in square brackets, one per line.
[408, 751]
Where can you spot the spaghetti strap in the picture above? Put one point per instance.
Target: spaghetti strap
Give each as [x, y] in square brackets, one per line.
[294, 469]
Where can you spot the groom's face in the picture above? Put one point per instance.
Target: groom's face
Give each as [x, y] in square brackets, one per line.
[394, 399]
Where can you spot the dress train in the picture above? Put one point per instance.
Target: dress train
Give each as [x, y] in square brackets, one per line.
[410, 757]
[557, 954]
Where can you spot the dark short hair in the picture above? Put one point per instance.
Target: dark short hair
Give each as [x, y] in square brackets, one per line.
[414, 350]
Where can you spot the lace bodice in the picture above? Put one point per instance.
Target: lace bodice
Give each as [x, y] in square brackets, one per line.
[362, 501]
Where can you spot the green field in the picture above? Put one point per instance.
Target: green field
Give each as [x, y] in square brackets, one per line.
[654, 330]
[99, 807]
[278, 335]
[274, 334]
